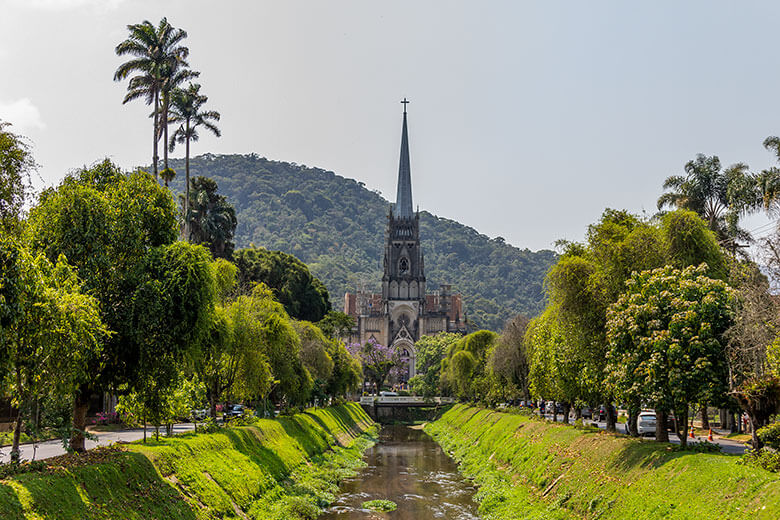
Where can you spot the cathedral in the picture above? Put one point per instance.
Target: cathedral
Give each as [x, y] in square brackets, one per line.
[404, 311]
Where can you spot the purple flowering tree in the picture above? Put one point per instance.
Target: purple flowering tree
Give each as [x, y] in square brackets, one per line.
[378, 360]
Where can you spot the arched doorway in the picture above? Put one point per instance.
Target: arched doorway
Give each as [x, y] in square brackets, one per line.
[407, 358]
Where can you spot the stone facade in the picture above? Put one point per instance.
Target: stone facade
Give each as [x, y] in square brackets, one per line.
[404, 311]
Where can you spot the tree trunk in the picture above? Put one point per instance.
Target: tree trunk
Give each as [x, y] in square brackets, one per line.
[611, 417]
[633, 419]
[661, 426]
[15, 454]
[566, 410]
[80, 409]
[754, 426]
[577, 413]
[164, 122]
[555, 412]
[187, 185]
[144, 426]
[683, 423]
[705, 420]
[156, 130]
[213, 405]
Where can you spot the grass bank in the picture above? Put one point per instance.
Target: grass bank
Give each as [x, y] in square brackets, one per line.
[528, 468]
[276, 469]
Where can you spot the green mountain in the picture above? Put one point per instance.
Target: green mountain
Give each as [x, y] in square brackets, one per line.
[336, 226]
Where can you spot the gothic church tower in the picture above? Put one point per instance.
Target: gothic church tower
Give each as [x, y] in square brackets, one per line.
[404, 311]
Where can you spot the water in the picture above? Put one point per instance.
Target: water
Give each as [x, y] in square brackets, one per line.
[409, 468]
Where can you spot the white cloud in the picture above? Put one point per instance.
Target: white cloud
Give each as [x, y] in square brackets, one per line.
[22, 114]
[63, 5]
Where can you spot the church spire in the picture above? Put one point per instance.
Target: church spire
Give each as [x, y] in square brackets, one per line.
[403, 199]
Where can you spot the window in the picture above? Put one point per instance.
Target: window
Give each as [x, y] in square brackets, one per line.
[403, 266]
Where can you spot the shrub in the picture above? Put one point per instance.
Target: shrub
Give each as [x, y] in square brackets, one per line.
[770, 435]
[764, 458]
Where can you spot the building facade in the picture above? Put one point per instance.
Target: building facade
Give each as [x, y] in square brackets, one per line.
[404, 311]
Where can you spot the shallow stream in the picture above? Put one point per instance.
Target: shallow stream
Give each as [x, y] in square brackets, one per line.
[409, 468]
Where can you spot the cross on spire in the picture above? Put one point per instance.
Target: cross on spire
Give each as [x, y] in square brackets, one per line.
[405, 102]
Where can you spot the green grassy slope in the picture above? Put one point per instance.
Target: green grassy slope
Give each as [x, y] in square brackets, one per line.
[281, 468]
[532, 469]
[336, 226]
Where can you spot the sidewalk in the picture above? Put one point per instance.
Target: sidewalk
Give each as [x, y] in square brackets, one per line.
[48, 449]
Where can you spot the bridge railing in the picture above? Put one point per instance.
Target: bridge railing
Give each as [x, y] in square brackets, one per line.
[412, 400]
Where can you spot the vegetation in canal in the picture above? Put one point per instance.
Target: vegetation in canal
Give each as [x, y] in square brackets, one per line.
[383, 506]
[287, 468]
[528, 468]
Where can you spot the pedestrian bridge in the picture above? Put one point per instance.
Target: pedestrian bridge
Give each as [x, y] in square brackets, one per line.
[400, 407]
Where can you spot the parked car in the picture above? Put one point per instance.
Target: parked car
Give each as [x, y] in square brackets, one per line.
[387, 393]
[199, 415]
[233, 410]
[587, 413]
[646, 424]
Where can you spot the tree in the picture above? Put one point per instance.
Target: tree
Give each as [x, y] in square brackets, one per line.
[187, 110]
[212, 218]
[156, 53]
[107, 224]
[316, 356]
[377, 360]
[666, 341]
[510, 360]
[52, 331]
[16, 164]
[431, 350]
[718, 196]
[336, 324]
[169, 319]
[465, 368]
[304, 297]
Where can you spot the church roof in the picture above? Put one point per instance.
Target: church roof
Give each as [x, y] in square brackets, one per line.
[403, 199]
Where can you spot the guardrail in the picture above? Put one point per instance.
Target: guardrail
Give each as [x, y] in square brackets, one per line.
[411, 400]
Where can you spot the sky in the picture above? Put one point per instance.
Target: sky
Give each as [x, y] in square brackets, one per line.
[527, 119]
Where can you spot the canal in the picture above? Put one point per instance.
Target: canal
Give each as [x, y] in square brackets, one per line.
[409, 468]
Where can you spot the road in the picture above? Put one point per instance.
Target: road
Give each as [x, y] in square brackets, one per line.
[726, 445]
[54, 448]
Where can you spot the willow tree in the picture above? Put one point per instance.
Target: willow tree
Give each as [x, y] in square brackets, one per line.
[51, 331]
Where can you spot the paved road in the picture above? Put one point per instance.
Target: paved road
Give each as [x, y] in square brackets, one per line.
[49, 449]
[726, 445]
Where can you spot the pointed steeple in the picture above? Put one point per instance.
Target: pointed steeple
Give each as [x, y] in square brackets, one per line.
[403, 199]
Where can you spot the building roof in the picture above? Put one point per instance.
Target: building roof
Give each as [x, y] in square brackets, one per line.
[403, 199]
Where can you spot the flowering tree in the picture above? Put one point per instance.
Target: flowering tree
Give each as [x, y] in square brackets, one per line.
[378, 360]
[666, 343]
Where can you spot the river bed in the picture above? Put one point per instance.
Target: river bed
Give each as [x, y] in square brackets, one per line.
[409, 468]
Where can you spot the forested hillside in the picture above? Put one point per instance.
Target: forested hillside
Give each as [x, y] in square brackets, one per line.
[336, 226]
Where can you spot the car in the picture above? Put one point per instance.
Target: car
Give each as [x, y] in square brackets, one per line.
[387, 393]
[587, 413]
[199, 415]
[646, 424]
[233, 410]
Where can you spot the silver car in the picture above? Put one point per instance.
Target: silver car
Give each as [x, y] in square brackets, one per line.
[646, 424]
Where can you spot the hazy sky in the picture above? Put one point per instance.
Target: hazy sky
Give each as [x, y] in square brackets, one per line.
[526, 119]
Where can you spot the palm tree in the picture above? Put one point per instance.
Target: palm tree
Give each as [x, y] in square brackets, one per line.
[156, 54]
[186, 109]
[173, 77]
[213, 218]
[769, 180]
[720, 197]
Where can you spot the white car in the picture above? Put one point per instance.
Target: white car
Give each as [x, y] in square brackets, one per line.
[646, 424]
